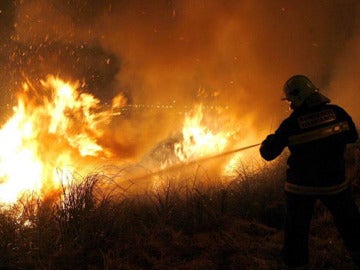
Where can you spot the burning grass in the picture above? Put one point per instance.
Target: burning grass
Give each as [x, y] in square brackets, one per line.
[198, 223]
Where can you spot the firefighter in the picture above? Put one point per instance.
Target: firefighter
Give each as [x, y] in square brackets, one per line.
[316, 134]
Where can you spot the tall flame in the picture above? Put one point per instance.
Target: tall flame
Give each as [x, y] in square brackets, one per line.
[206, 136]
[52, 128]
[199, 139]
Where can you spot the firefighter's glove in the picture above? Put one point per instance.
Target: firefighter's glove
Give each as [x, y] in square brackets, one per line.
[271, 147]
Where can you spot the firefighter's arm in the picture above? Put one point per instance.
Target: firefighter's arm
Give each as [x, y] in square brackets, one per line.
[352, 134]
[272, 146]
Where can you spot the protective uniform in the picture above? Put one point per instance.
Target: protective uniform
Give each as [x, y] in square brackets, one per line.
[316, 134]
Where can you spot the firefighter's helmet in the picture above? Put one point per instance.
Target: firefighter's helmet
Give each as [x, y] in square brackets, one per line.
[299, 88]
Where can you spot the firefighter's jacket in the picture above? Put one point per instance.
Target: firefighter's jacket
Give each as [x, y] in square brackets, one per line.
[316, 138]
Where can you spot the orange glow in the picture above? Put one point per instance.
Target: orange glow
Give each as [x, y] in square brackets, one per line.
[48, 131]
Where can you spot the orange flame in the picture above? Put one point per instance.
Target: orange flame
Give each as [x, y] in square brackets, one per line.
[205, 136]
[48, 132]
[199, 139]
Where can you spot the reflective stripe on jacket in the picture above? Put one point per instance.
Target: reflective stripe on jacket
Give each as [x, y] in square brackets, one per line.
[311, 190]
[318, 133]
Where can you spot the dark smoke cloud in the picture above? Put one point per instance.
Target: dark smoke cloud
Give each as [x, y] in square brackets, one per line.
[238, 53]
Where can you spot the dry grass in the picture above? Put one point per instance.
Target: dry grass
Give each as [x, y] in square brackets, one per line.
[187, 225]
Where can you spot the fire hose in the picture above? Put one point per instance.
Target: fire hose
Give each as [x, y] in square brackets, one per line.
[195, 161]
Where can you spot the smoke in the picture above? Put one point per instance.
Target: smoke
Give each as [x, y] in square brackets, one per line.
[345, 84]
[235, 54]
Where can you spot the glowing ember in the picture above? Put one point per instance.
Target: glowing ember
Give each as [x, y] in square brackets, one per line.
[49, 130]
